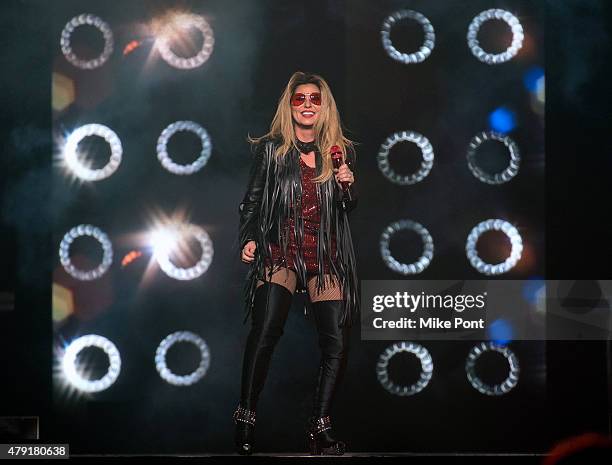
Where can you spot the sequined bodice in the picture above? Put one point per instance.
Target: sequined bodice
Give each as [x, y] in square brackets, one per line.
[311, 212]
[311, 215]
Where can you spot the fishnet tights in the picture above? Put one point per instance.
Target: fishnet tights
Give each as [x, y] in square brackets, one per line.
[288, 278]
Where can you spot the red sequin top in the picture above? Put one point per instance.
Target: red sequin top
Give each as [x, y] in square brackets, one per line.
[311, 214]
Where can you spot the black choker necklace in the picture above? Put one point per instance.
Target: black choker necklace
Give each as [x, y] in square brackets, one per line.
[305, 147]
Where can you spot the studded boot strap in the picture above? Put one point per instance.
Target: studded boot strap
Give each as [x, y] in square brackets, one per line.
[244, 415]
[321, 424]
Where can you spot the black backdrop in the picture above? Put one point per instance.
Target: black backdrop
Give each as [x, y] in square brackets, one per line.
[258, 46]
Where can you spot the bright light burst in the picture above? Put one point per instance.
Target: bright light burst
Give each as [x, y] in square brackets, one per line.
[164, 241]
[79, 164]
[173, 28]
[68, 360]
[167, 240]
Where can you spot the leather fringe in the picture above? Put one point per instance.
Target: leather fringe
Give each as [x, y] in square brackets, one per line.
[283, 193]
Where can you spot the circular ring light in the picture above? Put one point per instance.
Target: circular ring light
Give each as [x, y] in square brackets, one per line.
[162, 147]
[185, 21]
[71, 153]
[91, 20]
[169, 341]
[101, 237]
[425, 49]
[405, 136]
[70, 357]
[421, 353]
[517, 36]
[163, 254]
[403, 268]
[497, 178]
[494, 225]
[498, 389]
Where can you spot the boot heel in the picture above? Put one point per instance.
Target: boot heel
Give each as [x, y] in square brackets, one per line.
[313, 445]
[245, 428]
[320, 441]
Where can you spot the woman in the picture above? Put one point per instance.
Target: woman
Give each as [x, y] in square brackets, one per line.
[294, 233]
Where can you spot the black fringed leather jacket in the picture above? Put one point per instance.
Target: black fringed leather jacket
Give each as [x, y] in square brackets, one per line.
[273, 195]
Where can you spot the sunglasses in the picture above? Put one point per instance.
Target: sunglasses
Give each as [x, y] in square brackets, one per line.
[299, 98]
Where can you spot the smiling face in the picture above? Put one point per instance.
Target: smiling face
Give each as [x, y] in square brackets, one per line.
[307, 113]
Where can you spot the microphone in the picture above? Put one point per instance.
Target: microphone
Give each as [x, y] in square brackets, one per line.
[336, 155]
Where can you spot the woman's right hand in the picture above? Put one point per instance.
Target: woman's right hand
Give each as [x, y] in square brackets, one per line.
[248, 252]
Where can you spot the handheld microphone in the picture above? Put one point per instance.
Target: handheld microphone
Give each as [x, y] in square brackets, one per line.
[336, 155]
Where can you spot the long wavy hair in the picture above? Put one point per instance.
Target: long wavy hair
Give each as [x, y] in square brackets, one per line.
[327, 129]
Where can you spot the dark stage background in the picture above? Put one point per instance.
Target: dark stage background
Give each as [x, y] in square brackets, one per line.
[563, 387]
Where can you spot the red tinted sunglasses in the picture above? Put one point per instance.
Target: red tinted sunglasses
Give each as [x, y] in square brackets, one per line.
[299, 98]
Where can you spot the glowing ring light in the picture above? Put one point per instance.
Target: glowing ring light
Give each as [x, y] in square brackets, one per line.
[199, 268]
[497, 389]
[497, 178]
[405, 136]
[162, 147]
[101, 237]
[382, 367]
[403, 268]
[408, 58]
[71, 158]
[169, 341]
[517, 36]
[185, 21]
[497, 225]
[69, 363]
[90, 20]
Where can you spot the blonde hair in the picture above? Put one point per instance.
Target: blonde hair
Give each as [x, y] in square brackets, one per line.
[327, 129]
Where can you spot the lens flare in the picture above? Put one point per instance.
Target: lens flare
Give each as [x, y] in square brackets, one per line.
[131, 46]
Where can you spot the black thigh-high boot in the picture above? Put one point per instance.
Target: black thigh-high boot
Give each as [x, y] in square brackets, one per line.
[270, 309]
[333, 342]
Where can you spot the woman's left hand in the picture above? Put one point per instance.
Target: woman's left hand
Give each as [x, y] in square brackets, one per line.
[344, 174]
